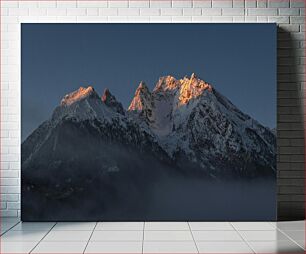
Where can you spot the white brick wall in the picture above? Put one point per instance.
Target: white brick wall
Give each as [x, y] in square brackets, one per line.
[288, 13]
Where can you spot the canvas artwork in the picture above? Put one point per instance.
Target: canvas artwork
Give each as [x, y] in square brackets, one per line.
[133, 122]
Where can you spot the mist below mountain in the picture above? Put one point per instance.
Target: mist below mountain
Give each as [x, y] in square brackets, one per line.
[180, 152]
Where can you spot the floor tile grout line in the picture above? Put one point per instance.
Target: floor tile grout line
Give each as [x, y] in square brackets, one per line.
[245, 241]
[143, 232]
[14, 225]
[90, 237]
[290, 238]
[273, 225]
[158, 240]
[193, 237]
[42, 238]
[155, 230]
[127, 230]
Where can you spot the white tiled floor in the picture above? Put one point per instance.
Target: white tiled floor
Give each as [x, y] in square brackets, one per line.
[152, 237]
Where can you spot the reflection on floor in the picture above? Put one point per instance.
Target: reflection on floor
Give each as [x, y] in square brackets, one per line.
[152, 237]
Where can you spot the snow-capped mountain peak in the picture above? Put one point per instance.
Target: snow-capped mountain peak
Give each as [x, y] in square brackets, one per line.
[191, 88]
[142, 87]
[143, 102]
[142, 98]
[158, 108]
[166, 83]
[86, 104]
[79, 95]
[111, 101]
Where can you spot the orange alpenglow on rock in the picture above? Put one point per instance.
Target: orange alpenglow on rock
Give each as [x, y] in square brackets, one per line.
[79, 94]
[141, 98]
[106, 95]
[192, 88]
[167, 83]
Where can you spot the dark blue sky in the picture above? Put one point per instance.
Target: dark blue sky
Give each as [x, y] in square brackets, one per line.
[239, 60]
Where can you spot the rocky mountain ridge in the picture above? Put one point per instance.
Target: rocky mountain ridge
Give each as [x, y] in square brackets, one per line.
[186, 122]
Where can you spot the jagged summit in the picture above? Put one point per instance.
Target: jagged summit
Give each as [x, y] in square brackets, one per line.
[106, 95]
[111, 101]
[192, 87]
[159, 106]
[142, 99]
[170, 83]
[188, 88]
[182, 91]
[142, 88]
[166, 83]
[78, 95]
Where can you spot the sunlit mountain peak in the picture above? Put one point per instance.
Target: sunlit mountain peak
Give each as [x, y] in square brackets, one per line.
[192, 87]
[78, 95]
[142, 97]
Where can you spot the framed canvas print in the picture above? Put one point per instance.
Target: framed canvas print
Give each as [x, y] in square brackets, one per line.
[133, 122]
